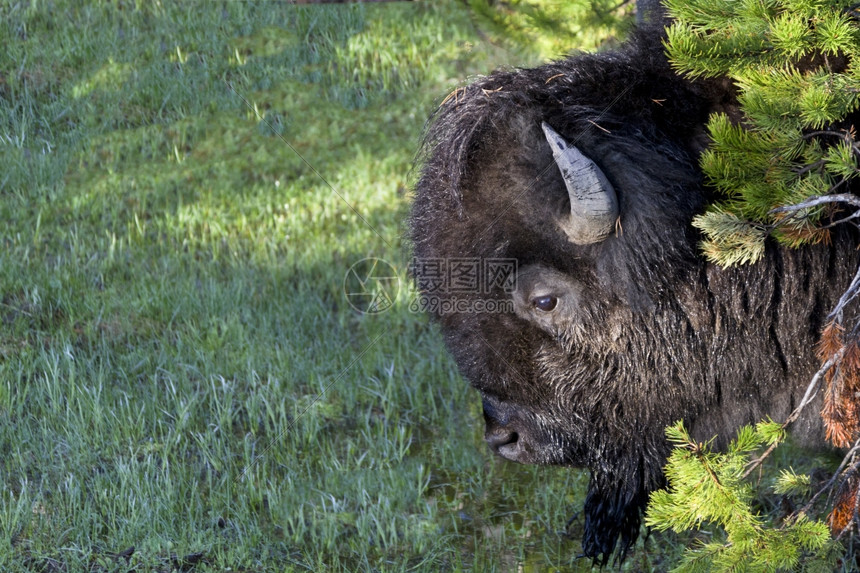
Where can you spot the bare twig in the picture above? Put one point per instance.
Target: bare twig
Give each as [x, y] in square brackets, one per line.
[842, 134]
[810, 167]
[847, 296]
[811, 391]
[848, 198]
[854, 215]
[829, 485]
[753, 464]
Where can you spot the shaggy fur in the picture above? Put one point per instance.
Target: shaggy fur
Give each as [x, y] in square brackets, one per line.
[649, 332]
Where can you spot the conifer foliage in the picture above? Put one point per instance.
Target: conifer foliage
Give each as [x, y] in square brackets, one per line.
[711, 489]
[782, 165]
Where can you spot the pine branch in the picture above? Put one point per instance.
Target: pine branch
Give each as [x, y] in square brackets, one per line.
[786, 170]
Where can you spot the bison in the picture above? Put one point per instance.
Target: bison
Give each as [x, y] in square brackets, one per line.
[569, 190]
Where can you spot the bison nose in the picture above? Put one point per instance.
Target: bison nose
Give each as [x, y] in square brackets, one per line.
[508, 444]
[500, 437]
[503, 434]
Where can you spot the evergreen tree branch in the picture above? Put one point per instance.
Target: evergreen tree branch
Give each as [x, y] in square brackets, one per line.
[785, 169]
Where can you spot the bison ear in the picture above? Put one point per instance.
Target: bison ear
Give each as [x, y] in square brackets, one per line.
[593, 203]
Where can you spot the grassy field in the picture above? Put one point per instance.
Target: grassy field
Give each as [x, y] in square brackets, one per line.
[183, 382]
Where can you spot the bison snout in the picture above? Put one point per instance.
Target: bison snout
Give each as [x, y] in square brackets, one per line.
[503, 435]
[504, 442]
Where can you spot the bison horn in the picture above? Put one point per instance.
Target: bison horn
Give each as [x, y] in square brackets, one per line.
[593, 204]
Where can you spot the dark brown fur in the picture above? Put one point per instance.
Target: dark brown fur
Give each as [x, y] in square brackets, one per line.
[656, 333]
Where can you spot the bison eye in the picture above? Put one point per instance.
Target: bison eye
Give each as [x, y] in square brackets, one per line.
[545, 303]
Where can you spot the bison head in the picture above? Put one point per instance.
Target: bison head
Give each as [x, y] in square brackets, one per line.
[553, 245]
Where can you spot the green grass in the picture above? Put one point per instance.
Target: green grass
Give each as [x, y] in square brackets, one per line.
[180, 371]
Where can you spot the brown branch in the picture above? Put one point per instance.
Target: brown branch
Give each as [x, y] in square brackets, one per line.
[832, 224]
[840, 134]
[829, 485]
[807, 168]
[854, 520]
[753, 464]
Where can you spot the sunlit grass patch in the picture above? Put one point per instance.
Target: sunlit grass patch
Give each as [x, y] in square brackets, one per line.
[184, 188]
[551, 30]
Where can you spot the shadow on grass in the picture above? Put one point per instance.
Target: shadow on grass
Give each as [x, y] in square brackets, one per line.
[180, 371]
